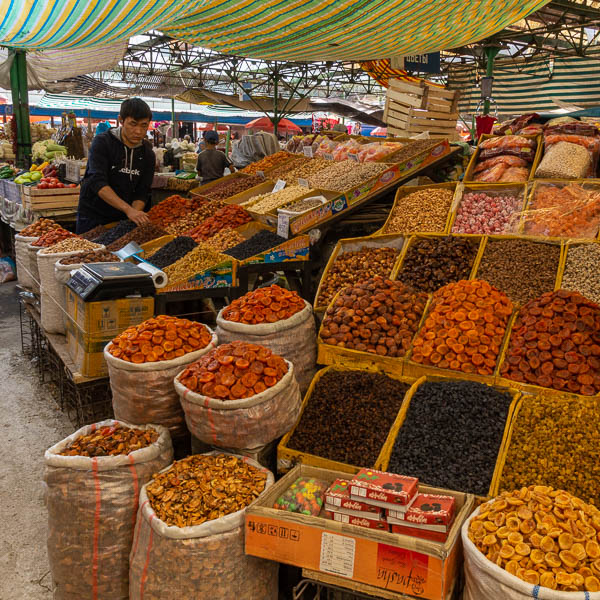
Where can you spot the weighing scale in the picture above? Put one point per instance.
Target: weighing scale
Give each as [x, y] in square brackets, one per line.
[111, 281]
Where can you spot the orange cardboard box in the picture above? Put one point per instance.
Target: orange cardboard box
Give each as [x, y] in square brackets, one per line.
[394, 562]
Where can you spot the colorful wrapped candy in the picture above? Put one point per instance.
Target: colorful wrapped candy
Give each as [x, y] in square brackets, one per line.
[304, 496]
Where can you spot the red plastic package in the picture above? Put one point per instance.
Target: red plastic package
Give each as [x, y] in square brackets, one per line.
[508, 160]
[515, 175]
[491, 175]
[508, 141]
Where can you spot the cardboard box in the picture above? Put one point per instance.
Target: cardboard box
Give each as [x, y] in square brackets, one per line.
[386, 490]
[87, 351]
[428, 511]
[338, 497]
[358, 521]
[396, 563]
[424, 534]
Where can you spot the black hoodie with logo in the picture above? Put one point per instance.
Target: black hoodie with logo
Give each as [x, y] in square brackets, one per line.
[128, 171]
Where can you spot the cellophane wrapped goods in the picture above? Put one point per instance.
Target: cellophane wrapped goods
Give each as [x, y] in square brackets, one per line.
[564, 160]
[576, 133]
[92, 505]
[304, 496]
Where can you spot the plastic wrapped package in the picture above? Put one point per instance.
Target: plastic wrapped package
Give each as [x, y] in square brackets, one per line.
[534, 129]
[491, 175]
[377, 151]
[591, 144]
[515, 175]
[294, 339]
[509, 161]
[245, 423]
[22, 260]
[92, 505]
[572, 128]
[515, 125]
[144, 393]
[565, 160]
[304, 496]
[507, 141]
[327, 146]
[350, 146]
[203, 561]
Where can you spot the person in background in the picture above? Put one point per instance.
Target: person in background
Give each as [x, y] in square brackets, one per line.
[212, 162]
[102, 127]
[119, 171]
[187, 138]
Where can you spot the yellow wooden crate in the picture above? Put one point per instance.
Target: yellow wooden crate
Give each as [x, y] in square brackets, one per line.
[157, 244]
[287, 458]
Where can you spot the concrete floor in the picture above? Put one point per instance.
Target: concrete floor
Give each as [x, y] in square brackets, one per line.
[30, 422]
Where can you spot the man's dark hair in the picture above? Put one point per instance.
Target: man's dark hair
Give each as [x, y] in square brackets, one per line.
[135, 108]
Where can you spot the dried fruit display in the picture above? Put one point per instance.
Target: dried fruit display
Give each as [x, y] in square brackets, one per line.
[282, 171]
[204, 211]
[196, 261]
[486, 213]
[71, 244]
[303, 205]
[92, 234]
[233, 371]
[264, 305]
[555, 442]
[225, 239]
[39, 228]
[421, 211]
[305, 170]
[160, 338]
[111, 440]
[172, 251]
[229, 217]
[265, 203]
[173, 208]
[141, 235]
[466, 422]
[542, 535]
[260, 242]
[378, 316]
[464, 328]
[230, 187]
[582, 271]
[353, 266]
[114, 233]
[555, 343]
[89, 257]
[346, 175]
[52, 237]
[202, 487]
[267, 162]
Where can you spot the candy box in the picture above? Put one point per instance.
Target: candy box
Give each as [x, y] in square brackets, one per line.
[423, 534]
[428, 511]
[337, 498]
[304, 496]
[386, 490]
[356, 520]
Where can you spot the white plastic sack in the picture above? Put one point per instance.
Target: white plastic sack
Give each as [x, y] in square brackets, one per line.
[145, 394]
[206, 561]
[33, 267]
[294, 339]
[22, 260]
[92, 505]
[245, 423]
[486, 580]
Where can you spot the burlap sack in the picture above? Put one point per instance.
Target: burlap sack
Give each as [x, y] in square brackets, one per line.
[245, 423]
[22, 260]
[206, 561]
[92, 505]
[145, 393]
[294, 338]
[33, 267]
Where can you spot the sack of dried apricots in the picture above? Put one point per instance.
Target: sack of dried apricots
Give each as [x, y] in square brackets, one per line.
[92, 483]
[239, 395]
[278, 319]
[197, 549]
[22, 260]
[142, 362]
[535, 542]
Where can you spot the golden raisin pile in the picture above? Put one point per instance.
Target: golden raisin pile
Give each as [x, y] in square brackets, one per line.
[555, 343]
[111, 440]
[543, 536]
[264, 305]
[464, 328]
[160, 338]
[201, 488]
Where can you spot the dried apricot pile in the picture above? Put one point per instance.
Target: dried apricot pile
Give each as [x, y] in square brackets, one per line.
[464, 328]
[264, 305]
[39, 228]
[231, 217]
[543, 536]
[555, 343]
[160, 338]
[233, 371]
[173, 208]
[53, 237]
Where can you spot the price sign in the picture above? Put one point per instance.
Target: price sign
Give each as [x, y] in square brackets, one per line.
[327, 156]
[260, 174]
[353, 157]
[279, 185]
[308, 151]
[283, 225]
[303, 182]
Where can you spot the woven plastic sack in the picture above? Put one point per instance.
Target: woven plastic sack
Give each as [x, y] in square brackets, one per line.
[294, 339]
[205, 561]
[246, 423]
[22, 260]
[92, 505]
[484, 579]
[33, 267]
[144, 393]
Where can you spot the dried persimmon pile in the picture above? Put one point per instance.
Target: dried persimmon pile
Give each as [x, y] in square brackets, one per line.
[264, 305]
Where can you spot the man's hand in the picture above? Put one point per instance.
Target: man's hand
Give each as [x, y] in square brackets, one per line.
[139, 217]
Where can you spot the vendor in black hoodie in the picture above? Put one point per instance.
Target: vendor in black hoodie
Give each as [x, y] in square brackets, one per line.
[119, 171]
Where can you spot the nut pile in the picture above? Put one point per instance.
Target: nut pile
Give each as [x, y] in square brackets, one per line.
[39, 228]
[264, 305]
[486, 213]
[542, 535]
[346, 175]
[430, 263]
[303, 205]
[233, 371]
[465, 422]
[70, 244]
[202, 488]
[354, 266]
[413, 149]
[267, 162]
[114, 233]
[204, 211]
[555, 442]
[196, 261]
[365, 404]
[173, 208]
[520, 268]
[421, 211]
[233, 186]
[52, 237]
[260, 242]
[172, 252]
[378, 316]
[283, 170]
[89, 257]
[160, 338]
[582, 271]
[228, 217]
[555, 343]
[464, 328]
[141, 235]
[268, 202]
[225, 239]
[111, 440]
[306, 170]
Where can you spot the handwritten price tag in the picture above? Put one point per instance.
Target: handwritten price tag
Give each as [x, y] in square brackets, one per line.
[353, 157]
[303, 182]
[283, 225]
[260, 174]
[327, 156]
[279, 185]
[308, 151]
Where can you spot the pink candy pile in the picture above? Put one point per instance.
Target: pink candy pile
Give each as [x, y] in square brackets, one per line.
[480, 213]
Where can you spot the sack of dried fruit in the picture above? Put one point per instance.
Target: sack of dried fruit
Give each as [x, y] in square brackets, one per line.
[278, 319]
[142, 362]
[92, 483]
[196, 549]
[239, 395]
[22, 260]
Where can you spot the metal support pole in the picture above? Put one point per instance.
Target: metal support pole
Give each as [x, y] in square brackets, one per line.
[490, 55]
[20, 99]
[227, 142]
[276, 117]
[175, 132]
